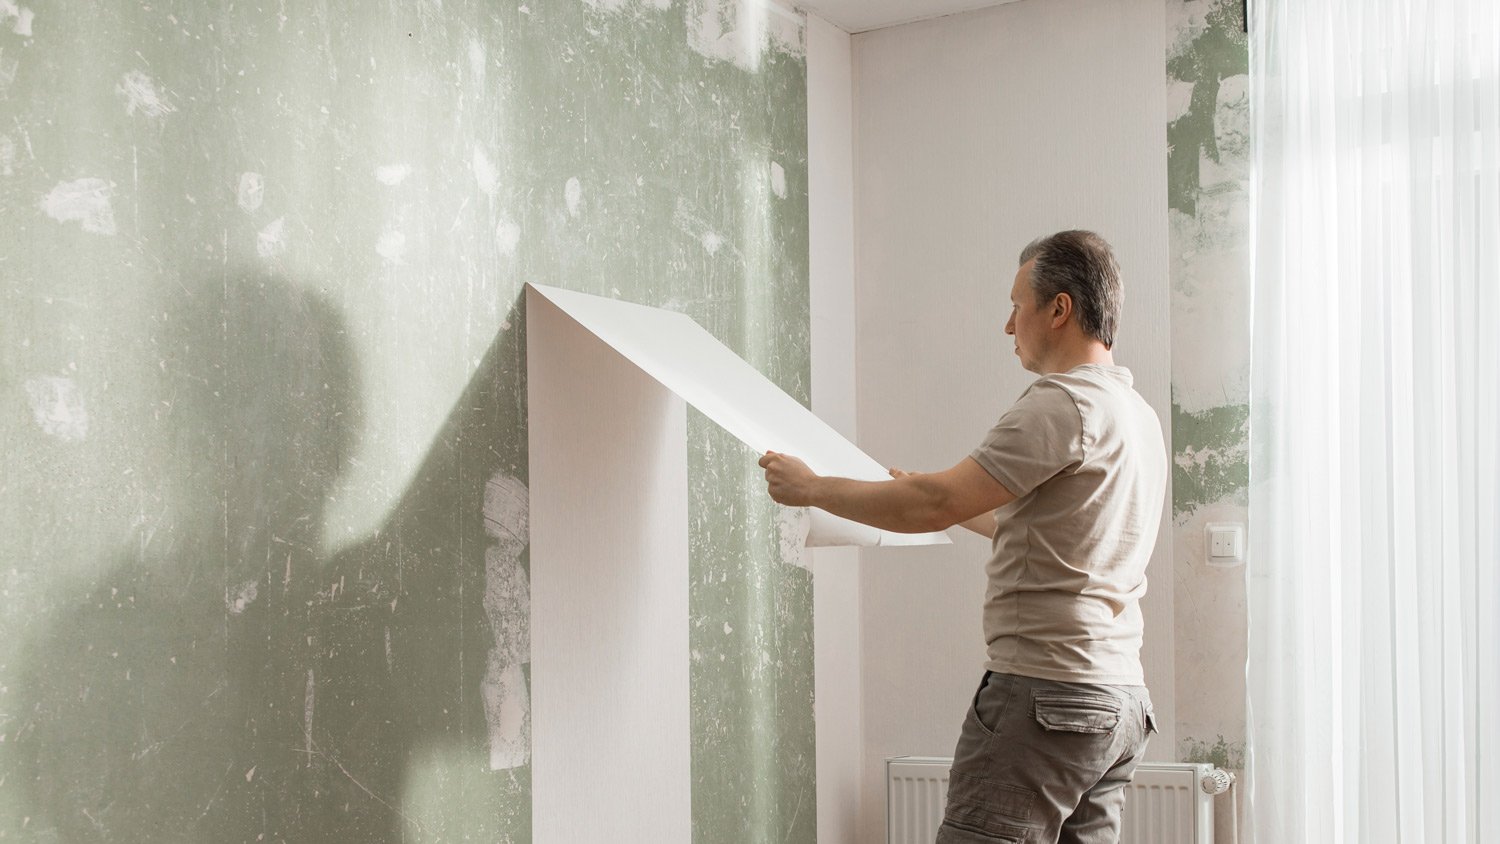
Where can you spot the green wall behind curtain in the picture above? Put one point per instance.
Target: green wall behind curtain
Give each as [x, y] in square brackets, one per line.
[262, 502]
[1208, 192]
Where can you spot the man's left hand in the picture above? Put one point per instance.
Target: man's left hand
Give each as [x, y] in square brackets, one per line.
[788, 479]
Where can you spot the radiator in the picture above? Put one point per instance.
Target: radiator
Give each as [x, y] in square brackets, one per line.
[1164, 804]
[916, 789]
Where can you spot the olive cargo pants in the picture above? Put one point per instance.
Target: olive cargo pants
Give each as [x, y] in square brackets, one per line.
[1041, 761]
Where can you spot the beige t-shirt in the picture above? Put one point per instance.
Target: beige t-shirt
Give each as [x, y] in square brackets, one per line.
[1084, 455]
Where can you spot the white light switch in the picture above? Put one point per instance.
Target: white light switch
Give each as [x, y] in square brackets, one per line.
[1226, 543]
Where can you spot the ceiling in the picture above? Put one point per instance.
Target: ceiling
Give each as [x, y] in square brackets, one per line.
[862, 15]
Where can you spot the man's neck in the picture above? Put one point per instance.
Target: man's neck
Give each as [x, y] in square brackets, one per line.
[1092, 352]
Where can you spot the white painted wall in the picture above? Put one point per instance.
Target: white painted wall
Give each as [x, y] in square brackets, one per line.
[973, 134]
[830, 189]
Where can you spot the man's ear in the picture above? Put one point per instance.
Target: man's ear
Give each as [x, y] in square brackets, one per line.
[1062, 308]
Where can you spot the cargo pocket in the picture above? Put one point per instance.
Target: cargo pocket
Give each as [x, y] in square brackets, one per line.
[981, 810]
[1076, 712]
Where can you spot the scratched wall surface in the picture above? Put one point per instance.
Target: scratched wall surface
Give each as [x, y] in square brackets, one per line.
[1208, 168]
[263, 509]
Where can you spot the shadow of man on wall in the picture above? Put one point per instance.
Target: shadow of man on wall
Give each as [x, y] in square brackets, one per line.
[217, 678]
[168, 697]
[431, 621]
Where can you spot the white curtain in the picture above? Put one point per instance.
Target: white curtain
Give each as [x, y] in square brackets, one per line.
[1374, 667]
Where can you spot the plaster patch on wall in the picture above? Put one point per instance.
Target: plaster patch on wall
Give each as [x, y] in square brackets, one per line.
[252, 191]
[19, 17]
[271, 241]
[477, 60]
[718, 30]
[793, 525]
[507, 709]
[573, 196]
[7, 156]
[485, 174]
[243, 597]
[391, 245]
[741, 31]
[507, 237]
[58, 408]
[84, 201]
[778, 180]
[507, 606]
[140, 94]
[392, 174]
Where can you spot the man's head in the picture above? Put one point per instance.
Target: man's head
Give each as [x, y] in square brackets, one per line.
[1066, 298]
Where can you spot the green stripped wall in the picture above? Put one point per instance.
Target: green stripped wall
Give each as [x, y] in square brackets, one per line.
[263, 495]
[1208, 191]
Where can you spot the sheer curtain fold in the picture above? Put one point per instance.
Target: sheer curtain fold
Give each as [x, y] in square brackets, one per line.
[1374, 667]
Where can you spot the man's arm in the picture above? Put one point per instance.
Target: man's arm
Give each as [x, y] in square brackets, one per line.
[983, 524]
[910, 504]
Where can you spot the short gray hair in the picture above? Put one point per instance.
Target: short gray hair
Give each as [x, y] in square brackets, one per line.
[1080, 264]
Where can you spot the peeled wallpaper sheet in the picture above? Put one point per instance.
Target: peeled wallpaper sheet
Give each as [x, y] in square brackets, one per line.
[687, 360]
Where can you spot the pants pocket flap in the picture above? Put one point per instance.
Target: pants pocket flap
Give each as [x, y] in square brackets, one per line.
[1075, 712]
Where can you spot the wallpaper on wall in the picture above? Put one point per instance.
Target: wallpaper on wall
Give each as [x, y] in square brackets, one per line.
[1208, 175]
[264, 563]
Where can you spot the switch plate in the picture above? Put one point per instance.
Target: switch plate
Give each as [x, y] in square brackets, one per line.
[1225, 543]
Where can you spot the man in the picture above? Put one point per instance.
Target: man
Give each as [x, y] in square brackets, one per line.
[1069, 486]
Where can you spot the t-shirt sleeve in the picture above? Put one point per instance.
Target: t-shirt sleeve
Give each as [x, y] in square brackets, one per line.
[1040, 436]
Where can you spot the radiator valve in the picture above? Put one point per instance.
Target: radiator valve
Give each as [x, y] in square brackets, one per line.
[1216, 781]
